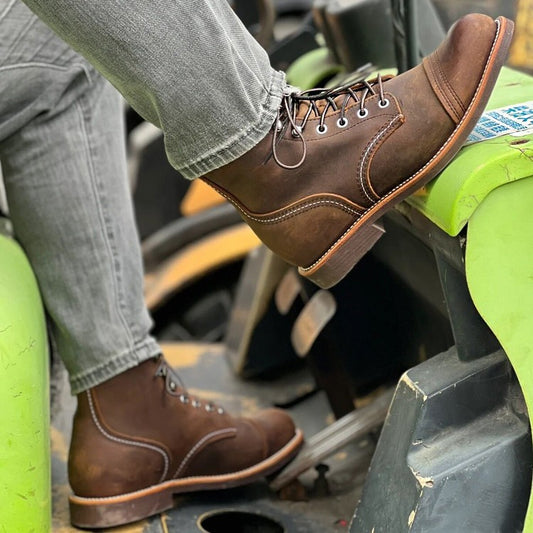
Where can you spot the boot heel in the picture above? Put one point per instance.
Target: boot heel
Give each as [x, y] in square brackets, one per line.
[90, 513]
[343, 256]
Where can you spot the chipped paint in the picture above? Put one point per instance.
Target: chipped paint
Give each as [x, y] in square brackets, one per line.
[188, 354]
[138, 527]
[413, 385]
[411, 518]
[163, 518]
[28, 348]
[341, 456]
[250, 405]
[422, 481]
[208, 394]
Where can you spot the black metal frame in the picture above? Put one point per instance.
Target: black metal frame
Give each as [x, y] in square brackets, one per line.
[405, 25]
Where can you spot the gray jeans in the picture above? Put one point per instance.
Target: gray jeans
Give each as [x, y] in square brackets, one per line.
[189, 67]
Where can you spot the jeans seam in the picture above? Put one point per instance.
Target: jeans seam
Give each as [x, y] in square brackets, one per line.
[32, 64]
[107, 232]
[7, 9]
[51, 66]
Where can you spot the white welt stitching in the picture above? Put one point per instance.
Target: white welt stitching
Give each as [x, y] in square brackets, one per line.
[290, 212]
[124, 441]
[193, 450]
[272, 459]
[368, 150]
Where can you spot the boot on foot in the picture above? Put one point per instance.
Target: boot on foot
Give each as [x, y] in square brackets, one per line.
[336, 160]
[139, 438]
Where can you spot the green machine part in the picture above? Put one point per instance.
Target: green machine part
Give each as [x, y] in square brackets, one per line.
[451, 199]
[311, 69]
[25, 490]
[488, 188]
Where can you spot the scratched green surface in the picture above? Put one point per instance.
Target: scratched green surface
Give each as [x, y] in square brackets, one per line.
[24, 413]
[499, 269]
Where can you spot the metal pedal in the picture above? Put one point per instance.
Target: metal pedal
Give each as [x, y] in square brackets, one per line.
[326, 442]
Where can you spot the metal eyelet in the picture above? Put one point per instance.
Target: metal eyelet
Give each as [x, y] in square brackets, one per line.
[384, 104]
[209, 408]
[183, 398]
[196, 403]
[172, 386]
[279, 125]
[220, 411]
[296, 132]
[342, 122]
[161, 371]
[321, 129]
[362, 113]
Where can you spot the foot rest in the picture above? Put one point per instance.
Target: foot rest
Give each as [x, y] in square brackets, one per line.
[347, 429]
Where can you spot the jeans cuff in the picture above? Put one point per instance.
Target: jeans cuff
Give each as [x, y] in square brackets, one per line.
[245, 140]
[142, 351]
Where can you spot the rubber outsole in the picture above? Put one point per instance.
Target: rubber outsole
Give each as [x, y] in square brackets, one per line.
[91, 513]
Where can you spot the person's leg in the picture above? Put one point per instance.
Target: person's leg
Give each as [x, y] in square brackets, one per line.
[63, 158]
[136, 427]
[335, 161]
[176, 61]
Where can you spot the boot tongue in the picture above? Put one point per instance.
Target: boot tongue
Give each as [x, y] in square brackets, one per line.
[169, 375]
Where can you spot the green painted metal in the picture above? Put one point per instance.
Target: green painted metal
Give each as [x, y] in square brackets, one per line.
[499, 271]
[25, 490]
[451, 199]
[311, 69]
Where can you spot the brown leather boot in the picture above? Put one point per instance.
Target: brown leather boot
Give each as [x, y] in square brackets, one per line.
[139, 438]
[336, 160]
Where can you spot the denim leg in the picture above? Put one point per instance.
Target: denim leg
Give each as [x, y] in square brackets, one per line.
[188, 66]
[62, 154]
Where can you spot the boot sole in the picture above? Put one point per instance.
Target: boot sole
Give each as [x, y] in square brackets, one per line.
[344, 254]
[90, 513]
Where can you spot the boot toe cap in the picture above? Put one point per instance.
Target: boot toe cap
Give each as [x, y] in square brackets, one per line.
[278, 427]
[464, 54]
